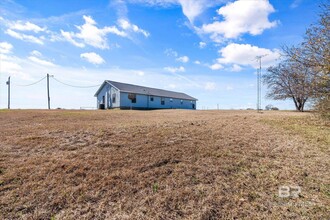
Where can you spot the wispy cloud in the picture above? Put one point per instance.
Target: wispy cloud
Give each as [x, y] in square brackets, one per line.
[210, 86]
[5, 47]
[37, 57]
[202, 44]
[295, 3]
[190, 8]
[25, 37]
[40, 61]
[26, 26]
[175, 69]
[124, 22]
[172, 53]
[24, 30]
[128, 27]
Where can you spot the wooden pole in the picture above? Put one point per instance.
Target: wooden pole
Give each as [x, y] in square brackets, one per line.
[8, 83]
[48, 91]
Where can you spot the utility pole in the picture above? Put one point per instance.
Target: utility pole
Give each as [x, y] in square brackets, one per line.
[48, 89]
[258, 58]
[8, 83]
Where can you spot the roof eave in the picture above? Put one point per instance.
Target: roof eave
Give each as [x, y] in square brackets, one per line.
[112, 85]
[98, 91]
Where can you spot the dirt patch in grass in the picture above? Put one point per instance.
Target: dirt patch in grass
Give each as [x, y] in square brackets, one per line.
[167, 164]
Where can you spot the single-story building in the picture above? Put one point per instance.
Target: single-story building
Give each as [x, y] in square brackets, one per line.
[127, 96]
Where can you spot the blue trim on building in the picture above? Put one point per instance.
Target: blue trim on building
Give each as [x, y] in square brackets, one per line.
[112, 97]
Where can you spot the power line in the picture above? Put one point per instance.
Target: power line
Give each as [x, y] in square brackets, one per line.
[31, 84]
[75, 86]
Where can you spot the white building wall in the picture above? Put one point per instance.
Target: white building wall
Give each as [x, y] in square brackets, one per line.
[107, 91]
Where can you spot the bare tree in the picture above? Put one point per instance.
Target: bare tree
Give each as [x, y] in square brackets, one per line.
[289, 80]
[314, 53]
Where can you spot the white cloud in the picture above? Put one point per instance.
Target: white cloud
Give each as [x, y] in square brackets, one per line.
[27, 26]
[295, 3]
[171, 52]
[172, 86]
[245, 54]
[190, 8]
[241, 17]
[210, 86]
[9, 65]
[90, 34]
[216, 66]
[36, 53]
[183, 59]
[161, 3]
[175, 69]
[236, 68]
[37, 57]
[18, 29]
[197, 62]
[202, 44]
[95, 36]
[127, 26]
[68, 36]
[41, 61]
[5, 47]
[25, 37]
[193, 8]
[92, 58]
[138, 72]
[229, 88]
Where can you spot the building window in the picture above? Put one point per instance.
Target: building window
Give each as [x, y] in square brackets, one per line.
[113, 98]
[151, 98]
[181, 101]
[162, 101]
[171, 100]
[132, 97]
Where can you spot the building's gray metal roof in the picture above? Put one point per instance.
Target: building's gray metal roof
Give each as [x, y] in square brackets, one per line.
[129, 88]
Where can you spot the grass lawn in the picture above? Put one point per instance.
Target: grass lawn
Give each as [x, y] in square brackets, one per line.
[164, 164]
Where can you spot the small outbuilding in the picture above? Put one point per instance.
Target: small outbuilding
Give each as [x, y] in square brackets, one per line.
[127, 96]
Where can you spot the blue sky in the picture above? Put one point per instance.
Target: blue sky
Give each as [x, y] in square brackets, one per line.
[205, 48]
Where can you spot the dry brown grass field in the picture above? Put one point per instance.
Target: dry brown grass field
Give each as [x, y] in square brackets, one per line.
[169, 164]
